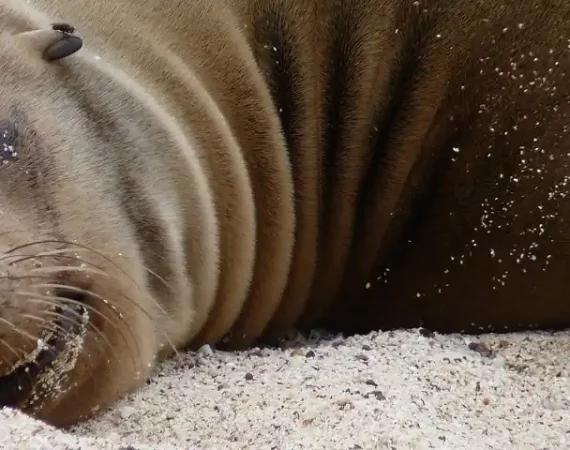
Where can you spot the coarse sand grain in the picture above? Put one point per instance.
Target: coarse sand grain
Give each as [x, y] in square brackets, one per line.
[393, 390]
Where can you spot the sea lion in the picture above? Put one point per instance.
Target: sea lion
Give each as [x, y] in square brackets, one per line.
[219, 171]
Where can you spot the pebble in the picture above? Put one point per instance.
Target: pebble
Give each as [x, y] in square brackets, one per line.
[205, 350]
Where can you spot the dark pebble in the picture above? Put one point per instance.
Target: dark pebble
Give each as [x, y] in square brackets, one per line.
[248, 376]
[481, 348]
[426, 333]
[379, 395]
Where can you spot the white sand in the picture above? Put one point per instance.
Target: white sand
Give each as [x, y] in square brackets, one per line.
[383, 391]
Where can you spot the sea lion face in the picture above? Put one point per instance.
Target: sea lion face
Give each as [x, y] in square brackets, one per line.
[75, 317]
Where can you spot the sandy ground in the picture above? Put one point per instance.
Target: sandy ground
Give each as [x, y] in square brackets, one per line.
[400, 390]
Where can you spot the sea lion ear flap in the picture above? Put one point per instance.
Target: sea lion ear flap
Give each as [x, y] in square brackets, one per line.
[54, 44]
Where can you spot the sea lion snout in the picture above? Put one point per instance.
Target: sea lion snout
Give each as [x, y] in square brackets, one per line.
[64, 309]
[43, 320]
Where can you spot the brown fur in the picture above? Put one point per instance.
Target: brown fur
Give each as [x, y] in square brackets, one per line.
[235, 168]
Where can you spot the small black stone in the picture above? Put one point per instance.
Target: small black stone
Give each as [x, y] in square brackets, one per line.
[426, 333]
[379, 395]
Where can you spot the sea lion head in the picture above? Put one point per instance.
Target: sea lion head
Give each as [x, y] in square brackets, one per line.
[76, 320]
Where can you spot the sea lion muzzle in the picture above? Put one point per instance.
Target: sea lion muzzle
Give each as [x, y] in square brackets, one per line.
[22, 385]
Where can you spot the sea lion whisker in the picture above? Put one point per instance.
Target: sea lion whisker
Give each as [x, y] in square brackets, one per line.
[55, 328]
[92, 294]
[58, 268]
[150, 271]
[89, 271]
[55, 338]
[3, 360]
[12, 277]
[136, 304]
[106, 258]
[77, 321]
[162, 280]
[168, 286]
[100, 270]
[24, 257]
[33, 243]
[84, 247]
[173, 347]
[83, 291]
[19, 330]
[12, 349]
[47, 325]
[8, 257]
[29, 336]
[57, 252]
[49, 299]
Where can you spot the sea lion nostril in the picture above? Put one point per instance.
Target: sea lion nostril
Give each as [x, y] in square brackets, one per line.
[71, 294]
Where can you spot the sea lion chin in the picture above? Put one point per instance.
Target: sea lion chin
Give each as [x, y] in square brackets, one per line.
[220, 171]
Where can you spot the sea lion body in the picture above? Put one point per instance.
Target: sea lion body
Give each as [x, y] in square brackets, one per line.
[241, 167]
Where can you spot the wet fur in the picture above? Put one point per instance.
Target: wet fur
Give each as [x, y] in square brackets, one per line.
[279, 163]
